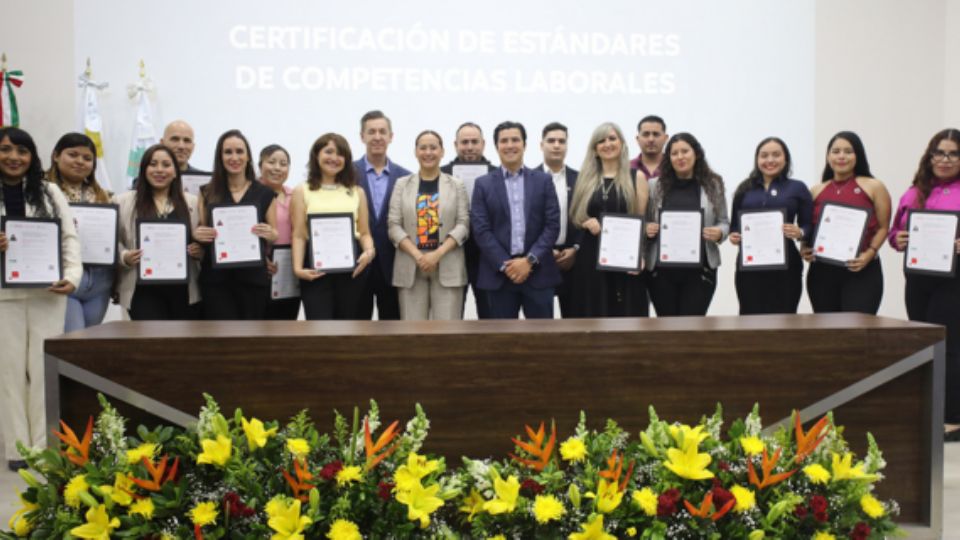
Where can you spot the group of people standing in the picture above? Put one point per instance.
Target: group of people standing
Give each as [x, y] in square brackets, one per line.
[517, 238]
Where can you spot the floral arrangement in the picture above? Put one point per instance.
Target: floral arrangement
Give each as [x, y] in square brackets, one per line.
[242, 478]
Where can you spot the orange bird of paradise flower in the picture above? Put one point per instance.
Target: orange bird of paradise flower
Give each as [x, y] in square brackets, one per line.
[159, 475]
[301, 483]
[372, 448]
[615, 469]
[706, 505]
[807, 443]
[767, 465]
[78, 451]
[536, 447]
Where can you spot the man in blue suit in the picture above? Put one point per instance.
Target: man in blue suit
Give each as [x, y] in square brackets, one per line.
[377, 175]
[554, 146]
[515, 220]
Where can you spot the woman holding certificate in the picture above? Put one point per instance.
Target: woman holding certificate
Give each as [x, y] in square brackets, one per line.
[769, 276]
[329, 216]
[687, 221]
[604, 186]
[237, 220]
[274, 167]
[851, 217]
[926, 227]
[428, 222]
[157, 198]
[35, 285]
[74, 172]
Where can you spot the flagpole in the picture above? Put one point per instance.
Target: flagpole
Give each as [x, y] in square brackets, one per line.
[91, 122]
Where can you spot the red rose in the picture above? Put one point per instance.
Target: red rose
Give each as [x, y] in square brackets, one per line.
[800, 511]
[531, 487]
[667, 502]
[384, 490]
[822, 517]
[721, 496]
[330, 470]
[235, 507]
[818, 503]
[860, 532]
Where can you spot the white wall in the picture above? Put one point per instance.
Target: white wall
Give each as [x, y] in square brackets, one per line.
[884, 68]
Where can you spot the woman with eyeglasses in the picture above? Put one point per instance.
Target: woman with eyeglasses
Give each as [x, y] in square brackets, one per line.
[935, 299]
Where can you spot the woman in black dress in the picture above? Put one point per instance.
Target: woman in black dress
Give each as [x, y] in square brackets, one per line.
[605, 186]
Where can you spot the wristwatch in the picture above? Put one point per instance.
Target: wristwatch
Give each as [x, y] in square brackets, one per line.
[532, 259]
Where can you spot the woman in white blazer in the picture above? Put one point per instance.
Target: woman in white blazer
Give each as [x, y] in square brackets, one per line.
[30, 315]
[158, 195]
[428, 223]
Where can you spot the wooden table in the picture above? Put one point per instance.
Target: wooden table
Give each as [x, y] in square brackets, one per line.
[480, 381]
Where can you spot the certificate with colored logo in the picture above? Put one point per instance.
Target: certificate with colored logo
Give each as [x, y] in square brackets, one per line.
[332, 247]
[97, 226]
[164, 259]
[839, 233]
[193, 182]
[762, 244]
[235, 244]
[931, 246]
[284, 284]
[32, 258]
[680, 241]
[621, 237]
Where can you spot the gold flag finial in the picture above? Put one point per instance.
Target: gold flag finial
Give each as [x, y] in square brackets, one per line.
[143, 69]
[3, 62]
[89, 71]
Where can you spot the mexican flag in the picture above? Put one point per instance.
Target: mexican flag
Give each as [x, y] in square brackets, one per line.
[9, 115]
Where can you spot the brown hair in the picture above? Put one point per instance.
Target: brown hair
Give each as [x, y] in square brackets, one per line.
[923, 179]
[346, 177]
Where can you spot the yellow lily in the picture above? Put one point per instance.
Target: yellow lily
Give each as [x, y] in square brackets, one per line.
[472, 505]
[608, 496]
[284, 518]
[507, 492]
[843, 469]
[215, 452]
[19, 522]
[414, 470]
[686, 436]
[98, 526]
[421, 502]
[256, 436]
[688, 463]
[592, 530]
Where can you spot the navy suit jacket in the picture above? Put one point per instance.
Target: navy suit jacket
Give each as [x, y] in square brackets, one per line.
[490, 224]
[378, 225]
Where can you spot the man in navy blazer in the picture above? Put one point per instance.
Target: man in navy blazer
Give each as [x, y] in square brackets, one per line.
[515, 220]
[377, 175]
[553, 143]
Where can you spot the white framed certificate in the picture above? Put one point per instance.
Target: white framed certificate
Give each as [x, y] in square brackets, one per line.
[762, 244]
[469, 174]
[164, 259]
[98, 227]
[931, 247]
[193, 182]
[839, 233]
[284, 284]
[620, 243]
[235, 244]
[680, 241]
[332, 246]
[33, 256]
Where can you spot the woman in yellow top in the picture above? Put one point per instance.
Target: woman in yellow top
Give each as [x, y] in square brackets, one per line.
[331, 188]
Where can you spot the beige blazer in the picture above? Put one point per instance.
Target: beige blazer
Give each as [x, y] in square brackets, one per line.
[454, 222]
[69, 241]
[127, 241]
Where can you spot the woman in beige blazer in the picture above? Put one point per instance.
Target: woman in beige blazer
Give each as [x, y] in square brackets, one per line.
[428, 223]
[158, 195]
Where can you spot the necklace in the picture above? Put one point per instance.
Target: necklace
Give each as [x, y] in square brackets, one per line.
[605, 189]
[840, 186]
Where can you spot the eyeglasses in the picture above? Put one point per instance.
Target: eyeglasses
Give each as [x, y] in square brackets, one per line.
[940, 155]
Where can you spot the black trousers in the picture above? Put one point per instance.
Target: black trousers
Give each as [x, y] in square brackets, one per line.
[771, 291]
[234, 301]
[682, 291]
[834, 289]
[936, 300]
[160, 303]
[380, 287]
[286, 309]
[334, 297]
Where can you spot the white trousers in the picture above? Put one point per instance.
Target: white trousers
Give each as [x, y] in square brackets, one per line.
[24, 324]
[428, 299]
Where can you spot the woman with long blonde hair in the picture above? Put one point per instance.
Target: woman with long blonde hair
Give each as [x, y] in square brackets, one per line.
[605, 186]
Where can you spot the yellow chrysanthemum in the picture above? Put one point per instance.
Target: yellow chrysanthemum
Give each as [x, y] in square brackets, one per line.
[143, 507]
[76, 486]
[99, 525]
[871, 506]
[746, 499]
[816, 473]
[646, 499]
[215, 452]
[506, 491]
[573, 449]
[145, 450]
[298, 447]
[256, 436]
[343, 529]
[822, 535]
[752, 446]
[204, 513]
[547, 508]
[349, 474]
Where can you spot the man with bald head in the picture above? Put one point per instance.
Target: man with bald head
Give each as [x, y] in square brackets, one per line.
[178, 137]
